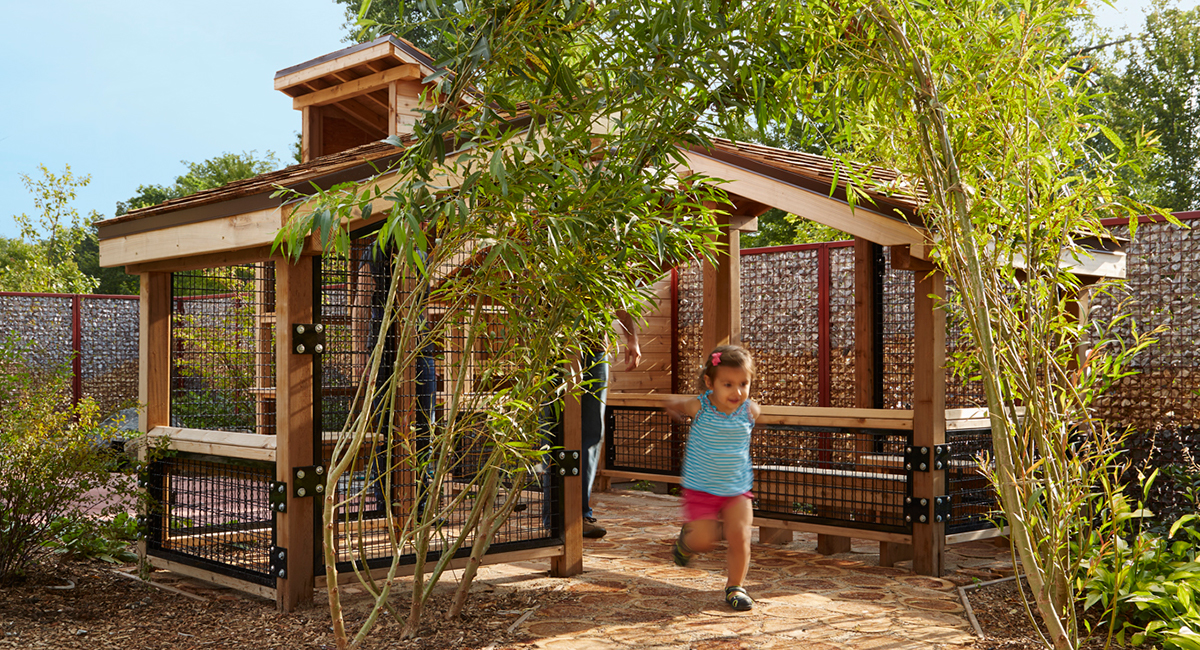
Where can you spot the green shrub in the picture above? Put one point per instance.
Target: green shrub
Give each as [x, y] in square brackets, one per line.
[89, 538]
[54, 464]
[1147, 583]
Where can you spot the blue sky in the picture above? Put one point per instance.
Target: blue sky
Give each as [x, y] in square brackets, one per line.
[124, 90]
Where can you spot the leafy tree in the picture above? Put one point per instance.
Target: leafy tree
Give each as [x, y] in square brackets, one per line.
[1153, 84]
[418, 22]
[43, 259]
[972, 102]
[212, 173]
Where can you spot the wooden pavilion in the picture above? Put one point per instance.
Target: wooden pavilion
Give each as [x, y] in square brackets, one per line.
[353, 98]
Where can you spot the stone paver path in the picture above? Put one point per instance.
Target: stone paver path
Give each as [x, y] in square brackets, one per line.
[632, 596]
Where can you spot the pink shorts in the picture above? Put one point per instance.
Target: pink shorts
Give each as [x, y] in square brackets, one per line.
[702, 505]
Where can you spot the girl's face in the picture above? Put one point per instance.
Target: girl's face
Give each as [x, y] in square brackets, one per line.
[729, 388]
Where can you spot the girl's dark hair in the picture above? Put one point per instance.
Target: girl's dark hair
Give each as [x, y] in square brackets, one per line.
[729, 356]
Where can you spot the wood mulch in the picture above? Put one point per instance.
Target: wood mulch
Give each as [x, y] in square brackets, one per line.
[1005, 623]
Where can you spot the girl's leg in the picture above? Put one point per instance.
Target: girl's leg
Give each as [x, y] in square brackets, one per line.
[700, 535]
[738, 514]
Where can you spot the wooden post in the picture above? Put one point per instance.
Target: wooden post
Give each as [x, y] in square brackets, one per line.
[294, 420]
[722, 290]
[571, 561]
[154, 363]
[929, 412]
[311, 133]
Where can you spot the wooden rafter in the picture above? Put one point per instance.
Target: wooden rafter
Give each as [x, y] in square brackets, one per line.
[357, 87]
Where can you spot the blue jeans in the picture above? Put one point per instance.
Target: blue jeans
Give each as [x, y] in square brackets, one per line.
[591, 402]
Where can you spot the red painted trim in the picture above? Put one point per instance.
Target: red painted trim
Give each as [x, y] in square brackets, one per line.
[824, 389]
[766, 250]
[1151, 218]
[76, 348]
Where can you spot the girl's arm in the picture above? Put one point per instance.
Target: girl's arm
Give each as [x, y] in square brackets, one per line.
[681, 408]
[755, 409]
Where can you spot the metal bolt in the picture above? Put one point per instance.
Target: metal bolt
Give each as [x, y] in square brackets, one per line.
[908, 518]
[282, 555]
[575, 455]
[562, 472]
[575, 471]
[281, 507]
[939, 464]
[320, 470]
[320, 489]
[924, 467]
[300, 492]
[280, 488]
[282, 573]
[299, 329]
[300, 349]
[923, 519]
[562, 455]
[319, 348]
[908, 466]
[908, 499]
[299, 473]
[319, 328]
[924, 502]
[924, 450]
[939, 519]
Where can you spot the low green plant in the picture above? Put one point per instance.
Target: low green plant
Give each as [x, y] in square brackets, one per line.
[53, 466]
[89, 538]
[643, 486]
[1147, 584]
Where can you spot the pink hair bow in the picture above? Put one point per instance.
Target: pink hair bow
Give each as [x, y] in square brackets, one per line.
[716, 358]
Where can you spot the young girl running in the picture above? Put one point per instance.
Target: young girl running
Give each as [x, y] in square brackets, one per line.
[716, 467]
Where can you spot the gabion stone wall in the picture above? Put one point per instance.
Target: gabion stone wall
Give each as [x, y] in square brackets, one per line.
[44, 327]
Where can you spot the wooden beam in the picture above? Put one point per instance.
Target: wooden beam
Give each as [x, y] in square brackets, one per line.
[154, 351]
[511, 557]
[311, 73]
[210, 576]
[929, 413]
[294, 529]
[864, 324]
[251, 446]
[722, 290]
[571, 561]
[312, 133]
[356, 87]
[904, 259]
[208, 261]
[248, 230]
[837, 531]
[858, 222]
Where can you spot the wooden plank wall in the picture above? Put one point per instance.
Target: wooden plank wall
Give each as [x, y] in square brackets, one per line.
[653, 375]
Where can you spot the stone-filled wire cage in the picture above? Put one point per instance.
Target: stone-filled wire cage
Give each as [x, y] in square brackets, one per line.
[353, 296]
[93, 338]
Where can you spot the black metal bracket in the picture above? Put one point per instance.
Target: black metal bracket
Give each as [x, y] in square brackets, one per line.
[278, 567]
[308, 338]
[919, 459]
[565, 461]
[278, 496]
[308, 481]
[143, 525]
[920, 511]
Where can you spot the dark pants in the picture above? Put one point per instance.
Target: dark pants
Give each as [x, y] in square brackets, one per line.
[591, 402]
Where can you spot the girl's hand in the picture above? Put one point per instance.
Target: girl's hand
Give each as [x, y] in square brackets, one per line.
[755, 409]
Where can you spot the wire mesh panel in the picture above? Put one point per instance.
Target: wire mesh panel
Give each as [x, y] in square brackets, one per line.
[223, 349]
[846, 477]
[643, 440]
[354, 292]
[212, 513]
[689, 335]
[109, 350]
[781, 312]
[963, 389]
[973, 500]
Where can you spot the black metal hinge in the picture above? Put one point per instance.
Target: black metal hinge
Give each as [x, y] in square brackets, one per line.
[918, 511]
[308, 338]
[278, 567]
[918, 459]
[565, 461]
[278, 496]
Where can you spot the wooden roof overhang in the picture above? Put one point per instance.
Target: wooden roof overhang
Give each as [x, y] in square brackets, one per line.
[354, 83]
[243, 216]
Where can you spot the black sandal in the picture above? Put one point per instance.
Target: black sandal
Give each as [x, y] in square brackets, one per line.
[738, 599]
